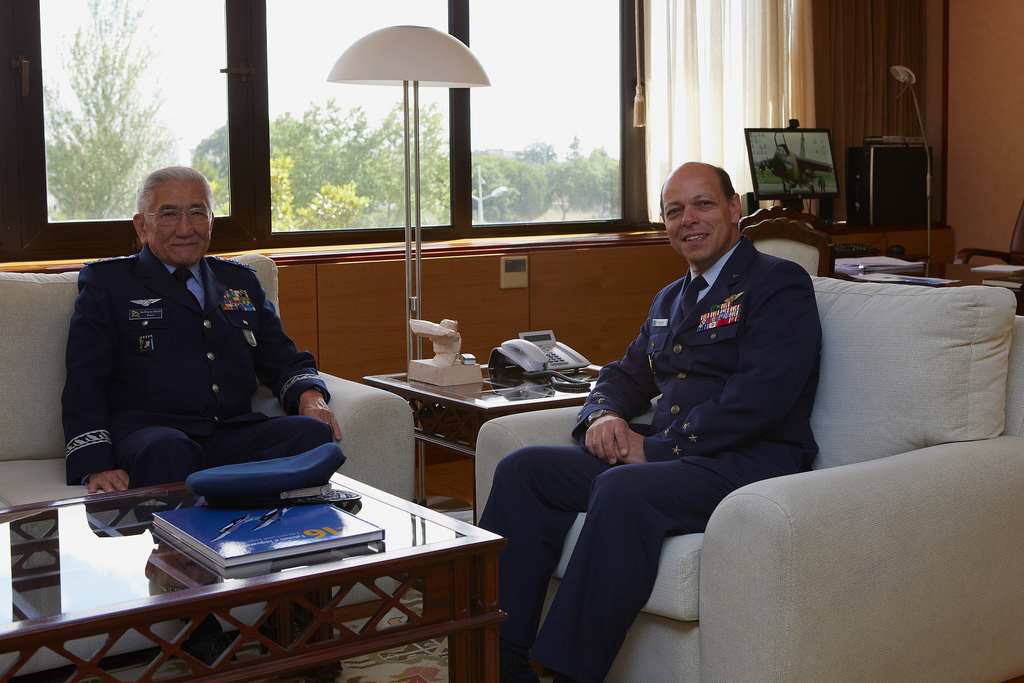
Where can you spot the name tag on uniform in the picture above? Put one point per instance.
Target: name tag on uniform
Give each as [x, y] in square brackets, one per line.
[659, 322]
[237, 300]
[145, 314]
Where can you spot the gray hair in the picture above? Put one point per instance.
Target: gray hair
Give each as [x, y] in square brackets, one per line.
[181, 174]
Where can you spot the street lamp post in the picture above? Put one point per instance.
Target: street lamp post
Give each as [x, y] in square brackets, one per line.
[479, 197]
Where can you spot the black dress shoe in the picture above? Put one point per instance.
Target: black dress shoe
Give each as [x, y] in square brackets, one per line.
[514, 664]
[524, 676]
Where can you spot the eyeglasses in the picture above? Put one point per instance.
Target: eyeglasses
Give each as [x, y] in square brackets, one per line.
[171, 217]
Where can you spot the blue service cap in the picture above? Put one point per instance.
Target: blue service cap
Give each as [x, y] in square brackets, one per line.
[262, 482]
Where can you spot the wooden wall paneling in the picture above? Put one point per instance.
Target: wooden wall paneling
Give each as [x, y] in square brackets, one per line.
[595, 300]
[361, 318]
[467, 289]
[984, 137]
[298, 305]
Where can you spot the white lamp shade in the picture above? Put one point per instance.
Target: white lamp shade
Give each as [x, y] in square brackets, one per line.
[396, 54]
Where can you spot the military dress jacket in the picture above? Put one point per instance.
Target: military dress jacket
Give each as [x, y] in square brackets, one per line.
[141, 352]
[736, 377]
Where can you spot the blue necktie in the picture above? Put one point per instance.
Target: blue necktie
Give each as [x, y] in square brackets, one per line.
[690, 295]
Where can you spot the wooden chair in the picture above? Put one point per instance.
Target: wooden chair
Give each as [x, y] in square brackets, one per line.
[789, 234]
[1013, 257]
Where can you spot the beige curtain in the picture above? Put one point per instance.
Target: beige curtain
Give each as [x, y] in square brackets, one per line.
[715, 67]
[855, 43]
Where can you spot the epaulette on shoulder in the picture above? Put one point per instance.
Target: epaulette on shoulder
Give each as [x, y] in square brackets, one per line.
[232, 262]
[112, 259]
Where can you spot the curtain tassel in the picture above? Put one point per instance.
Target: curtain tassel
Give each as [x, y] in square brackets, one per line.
[639, 107]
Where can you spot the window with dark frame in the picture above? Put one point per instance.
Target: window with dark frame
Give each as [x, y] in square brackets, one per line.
[233, 142]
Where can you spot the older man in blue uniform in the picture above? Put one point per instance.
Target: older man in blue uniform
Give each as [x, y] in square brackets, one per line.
[732, 349]
[164, 352]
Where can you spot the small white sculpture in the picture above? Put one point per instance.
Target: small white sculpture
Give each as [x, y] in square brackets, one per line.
[446, 367]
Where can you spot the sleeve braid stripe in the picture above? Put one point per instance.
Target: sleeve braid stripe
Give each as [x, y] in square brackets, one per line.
[296, 378]
[87, 439]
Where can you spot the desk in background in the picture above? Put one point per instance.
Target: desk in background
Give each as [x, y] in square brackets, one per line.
[914, 238]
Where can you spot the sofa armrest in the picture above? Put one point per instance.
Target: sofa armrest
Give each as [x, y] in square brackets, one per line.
[376, 433]
[502, 435]
[903, 568]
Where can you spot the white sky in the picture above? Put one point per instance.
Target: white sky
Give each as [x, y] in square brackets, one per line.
[553, 66]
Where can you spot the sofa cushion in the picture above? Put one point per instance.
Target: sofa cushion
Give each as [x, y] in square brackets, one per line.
[35, 310]
[906, 367]
[676, 590]
[34, 481]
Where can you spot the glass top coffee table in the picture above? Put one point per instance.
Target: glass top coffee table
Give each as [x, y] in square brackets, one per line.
[86, 588]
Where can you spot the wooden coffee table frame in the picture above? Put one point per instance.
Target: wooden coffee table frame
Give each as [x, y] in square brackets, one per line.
[304, 619]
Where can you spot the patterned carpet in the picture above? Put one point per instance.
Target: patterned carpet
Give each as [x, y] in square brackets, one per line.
[424, 662]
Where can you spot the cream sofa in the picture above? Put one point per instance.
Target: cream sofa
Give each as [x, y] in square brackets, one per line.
[900, 557]
[35, 309]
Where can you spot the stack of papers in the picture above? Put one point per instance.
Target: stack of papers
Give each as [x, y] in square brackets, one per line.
[998, 268]
[906, 279]
[867, 264]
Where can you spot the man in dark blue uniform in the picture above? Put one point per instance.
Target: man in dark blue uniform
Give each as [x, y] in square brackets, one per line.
[732, 350]
[164, 352]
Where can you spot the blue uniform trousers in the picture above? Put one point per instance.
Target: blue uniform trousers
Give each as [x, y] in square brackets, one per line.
[162, 455]
[536, 495]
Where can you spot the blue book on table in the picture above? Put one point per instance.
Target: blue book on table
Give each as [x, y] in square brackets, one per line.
[232, 537]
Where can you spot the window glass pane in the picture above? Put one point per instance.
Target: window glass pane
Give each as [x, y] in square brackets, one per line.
[546, 134]
[337, 158]
[130, 86]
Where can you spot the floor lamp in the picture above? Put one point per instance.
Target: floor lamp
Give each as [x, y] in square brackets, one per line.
[907, 77]
[410, 56]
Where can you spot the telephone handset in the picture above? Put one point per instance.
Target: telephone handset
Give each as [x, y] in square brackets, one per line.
[525, 354]
[537, 351]
[540, 357]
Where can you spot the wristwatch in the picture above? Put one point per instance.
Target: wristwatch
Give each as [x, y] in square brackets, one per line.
[593, 417]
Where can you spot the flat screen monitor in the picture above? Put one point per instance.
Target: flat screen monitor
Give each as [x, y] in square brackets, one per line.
[791, 164]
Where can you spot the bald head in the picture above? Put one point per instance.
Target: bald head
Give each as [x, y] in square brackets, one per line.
[701, 211]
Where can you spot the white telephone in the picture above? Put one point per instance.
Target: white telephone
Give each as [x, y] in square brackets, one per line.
[539, 351]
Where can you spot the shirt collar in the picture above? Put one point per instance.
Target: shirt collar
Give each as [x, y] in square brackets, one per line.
[712, 273]
[194, 269]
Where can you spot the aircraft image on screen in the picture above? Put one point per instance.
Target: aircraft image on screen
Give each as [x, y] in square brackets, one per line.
[797, 171]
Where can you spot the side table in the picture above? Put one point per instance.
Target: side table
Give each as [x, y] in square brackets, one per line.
[451, 417]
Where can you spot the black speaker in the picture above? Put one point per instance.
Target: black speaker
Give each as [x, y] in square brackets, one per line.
[886, 186]
[750, 204]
